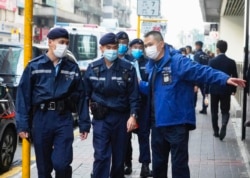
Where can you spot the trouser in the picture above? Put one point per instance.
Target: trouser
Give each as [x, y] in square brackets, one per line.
[52, 138]
[224, 101]
[109, 141]
[172, 139]
[143, 138]
[203, 92]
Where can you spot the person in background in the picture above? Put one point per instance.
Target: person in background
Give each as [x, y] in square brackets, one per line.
[123, 41]
[190, 54]
[47, 94]
[221, 94]
[112, 90]
[183, 51]
[170, 94]
[202, 58]
[139, 61]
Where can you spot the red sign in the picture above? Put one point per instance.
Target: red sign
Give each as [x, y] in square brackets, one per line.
[8, 5]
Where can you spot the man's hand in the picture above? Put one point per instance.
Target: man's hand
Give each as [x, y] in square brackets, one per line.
[131, 124]
[84, 135]
[236, 82]
[23, 135]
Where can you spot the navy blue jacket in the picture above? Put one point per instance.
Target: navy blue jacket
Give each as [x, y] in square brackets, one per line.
[39, 83]
[227, 65]
[174, 101]
[115, 88]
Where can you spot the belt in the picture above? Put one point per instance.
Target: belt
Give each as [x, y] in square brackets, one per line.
[52, 105]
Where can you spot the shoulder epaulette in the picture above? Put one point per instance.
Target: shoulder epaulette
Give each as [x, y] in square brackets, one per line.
[36, 58]
[126, 64]
[96, 63]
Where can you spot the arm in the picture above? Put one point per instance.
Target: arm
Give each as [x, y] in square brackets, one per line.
[23, 103]
[144, 87]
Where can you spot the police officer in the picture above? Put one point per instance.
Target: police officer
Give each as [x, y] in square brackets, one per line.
[112, 89]
[50, 86]
[170, 90]
[123, 41]
[139, 61]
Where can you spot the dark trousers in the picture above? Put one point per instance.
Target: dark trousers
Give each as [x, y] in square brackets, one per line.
[172, 139]
[203, 93]
[143, 133]
[224, 101]
[52, 138]
[109, 141]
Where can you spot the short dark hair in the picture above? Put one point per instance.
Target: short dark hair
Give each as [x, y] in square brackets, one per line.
[156, 34]
[189, 47]
[199, 43]
[222, 46]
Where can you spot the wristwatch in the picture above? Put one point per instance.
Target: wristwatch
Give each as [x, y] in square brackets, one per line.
[134, 115]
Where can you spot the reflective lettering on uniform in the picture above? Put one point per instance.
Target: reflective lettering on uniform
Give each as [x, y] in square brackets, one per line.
[69, 73]
[143, 67]
[96, 78]
[116, 78]
[41, 71]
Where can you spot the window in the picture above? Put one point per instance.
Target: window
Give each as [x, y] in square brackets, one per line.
[20, 11]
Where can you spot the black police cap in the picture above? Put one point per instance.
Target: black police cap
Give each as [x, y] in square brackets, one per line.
[122, 35]
[109, 38]
[136, 41]
[58, 32]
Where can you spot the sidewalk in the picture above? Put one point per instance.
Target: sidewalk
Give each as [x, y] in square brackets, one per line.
[209, 157]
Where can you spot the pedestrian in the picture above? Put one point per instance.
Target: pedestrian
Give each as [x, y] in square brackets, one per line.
[221, 94]
[170, 90]
[47, 94]
[183, 51]
[202, 58]
[112, 89]
[189, 52]
[139, 61]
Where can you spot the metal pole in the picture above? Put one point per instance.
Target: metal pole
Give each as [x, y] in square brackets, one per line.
[55, 12]
[138, 26]
[245, 67]
[28, 20]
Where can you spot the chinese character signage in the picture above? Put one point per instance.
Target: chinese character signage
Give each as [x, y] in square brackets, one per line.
[8, 5]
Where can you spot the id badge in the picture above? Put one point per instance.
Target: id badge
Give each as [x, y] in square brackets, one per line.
[166, 77]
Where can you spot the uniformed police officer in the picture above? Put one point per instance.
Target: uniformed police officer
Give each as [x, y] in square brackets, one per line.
[112, 88]
[50, 86]
[139, 61]
[123, 41]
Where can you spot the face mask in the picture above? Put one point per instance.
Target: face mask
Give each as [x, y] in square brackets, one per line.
[110, 55]
[61, 50]
[152, 52]
[136, 53]
[122, 49]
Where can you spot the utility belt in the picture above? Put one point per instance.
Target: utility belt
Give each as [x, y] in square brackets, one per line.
[59, 105]
[98, 110]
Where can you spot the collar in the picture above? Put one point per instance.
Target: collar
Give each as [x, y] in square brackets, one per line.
[115, 65]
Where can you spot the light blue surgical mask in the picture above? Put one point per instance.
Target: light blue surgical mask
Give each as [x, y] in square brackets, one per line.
[122, 49]
[136, 53]
[110, 54]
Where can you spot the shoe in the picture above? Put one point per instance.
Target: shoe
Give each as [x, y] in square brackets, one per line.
[127, 170]
[203, 112]
[247, 123]
[145, 171]
[216, 134]
[91, 175]
[223, 132]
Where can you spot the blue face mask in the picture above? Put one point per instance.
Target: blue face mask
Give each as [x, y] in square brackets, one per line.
[122, 49]
[136, 53]
[110, 55]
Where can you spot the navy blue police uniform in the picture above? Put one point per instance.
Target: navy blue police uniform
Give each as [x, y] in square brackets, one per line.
[114, 95]
[143, 130]
[46, 97]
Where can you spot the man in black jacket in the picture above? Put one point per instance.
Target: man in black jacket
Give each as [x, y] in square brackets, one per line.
[219, 93]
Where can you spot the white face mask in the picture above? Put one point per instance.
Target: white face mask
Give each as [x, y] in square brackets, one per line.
[152, 52]
[61, 50]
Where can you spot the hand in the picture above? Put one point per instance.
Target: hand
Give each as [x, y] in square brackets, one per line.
[84, 135]
[233, 94]
[131, 124]
[23, 135]
[236, 82]
[196, 89]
